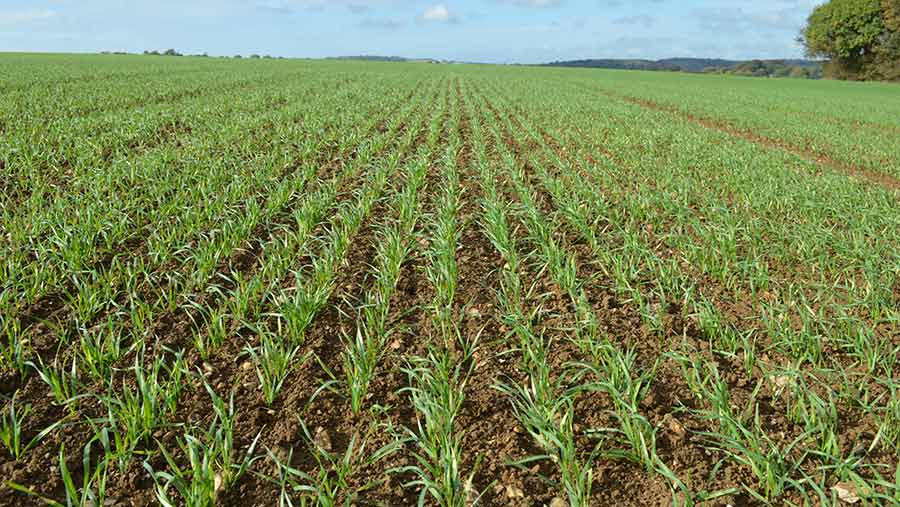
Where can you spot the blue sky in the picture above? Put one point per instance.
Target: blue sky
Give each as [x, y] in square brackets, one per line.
[501, 31]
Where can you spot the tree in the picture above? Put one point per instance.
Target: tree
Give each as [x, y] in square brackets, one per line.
[858, 37]
[889, 54]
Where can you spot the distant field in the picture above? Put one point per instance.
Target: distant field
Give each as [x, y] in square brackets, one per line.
[281, 282]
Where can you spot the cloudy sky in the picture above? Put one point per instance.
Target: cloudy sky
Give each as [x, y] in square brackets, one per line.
[525, 31]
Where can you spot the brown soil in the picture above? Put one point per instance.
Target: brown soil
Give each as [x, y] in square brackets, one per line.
[820, 158]
[684, 452]
[223, 372]
[53, 307]
[493, 439]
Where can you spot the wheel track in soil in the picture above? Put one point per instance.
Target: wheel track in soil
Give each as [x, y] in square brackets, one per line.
[855, 124]
[816, 157]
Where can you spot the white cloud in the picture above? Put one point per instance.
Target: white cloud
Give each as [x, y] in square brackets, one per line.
[539, 3]
[438, 12]
[535, 3]
[14, 17]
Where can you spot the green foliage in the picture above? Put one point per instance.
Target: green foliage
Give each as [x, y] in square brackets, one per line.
[844, 29]
[465, 223]
[861, 38]
[769, 68]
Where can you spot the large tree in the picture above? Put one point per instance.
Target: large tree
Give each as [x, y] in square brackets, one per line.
[858, 37]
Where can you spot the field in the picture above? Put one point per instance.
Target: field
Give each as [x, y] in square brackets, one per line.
[283, 282]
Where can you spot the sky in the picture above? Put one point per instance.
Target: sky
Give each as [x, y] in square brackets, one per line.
[494, 31]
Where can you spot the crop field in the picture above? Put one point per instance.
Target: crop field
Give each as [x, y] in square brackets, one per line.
[313, 283]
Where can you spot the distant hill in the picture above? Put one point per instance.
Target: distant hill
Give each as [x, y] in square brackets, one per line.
[670, 64]
[612, 63]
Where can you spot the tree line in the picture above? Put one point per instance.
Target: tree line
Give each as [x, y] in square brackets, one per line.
[769, 68]
[172, 52]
